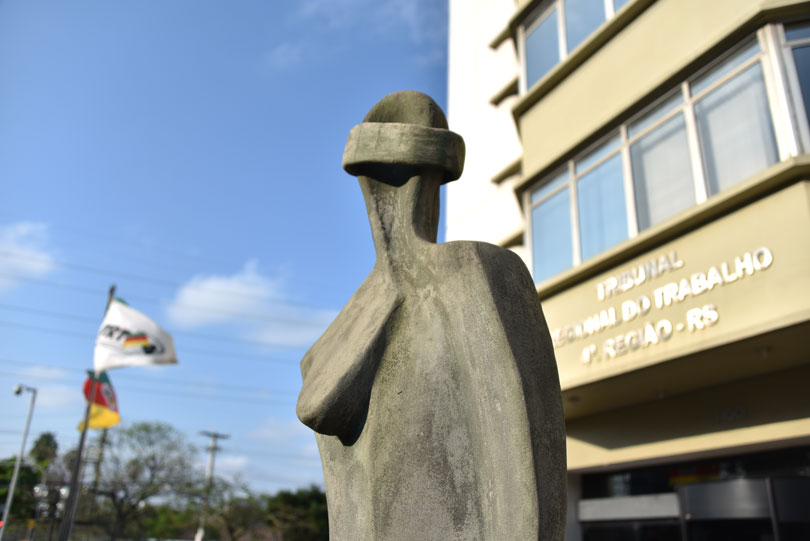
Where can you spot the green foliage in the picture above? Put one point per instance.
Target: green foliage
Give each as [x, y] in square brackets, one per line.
[44, 450]
[24, 504]
[235, 511]
[299, 515]
[167, 522]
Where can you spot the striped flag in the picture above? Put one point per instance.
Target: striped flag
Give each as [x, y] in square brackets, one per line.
[129, 338]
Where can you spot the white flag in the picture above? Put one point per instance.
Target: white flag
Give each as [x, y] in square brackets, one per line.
[129, 338]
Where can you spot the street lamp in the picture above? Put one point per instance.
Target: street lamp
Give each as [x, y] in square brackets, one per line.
[18, 389]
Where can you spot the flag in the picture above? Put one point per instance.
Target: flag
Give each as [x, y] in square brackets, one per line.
[104, 409]
[129, 338]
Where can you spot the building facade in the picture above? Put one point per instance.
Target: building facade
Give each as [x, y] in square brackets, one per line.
[650, 161]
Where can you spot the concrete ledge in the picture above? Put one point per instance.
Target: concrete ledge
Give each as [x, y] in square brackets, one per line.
[509, 89]
[650, 506]
[512, 168]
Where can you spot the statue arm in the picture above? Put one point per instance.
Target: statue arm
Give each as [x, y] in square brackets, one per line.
[339, 368]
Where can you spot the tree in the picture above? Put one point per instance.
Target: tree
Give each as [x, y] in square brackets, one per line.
[299, 515]
[24, 504]
[235, 510]
[44, 450]
[143, 462]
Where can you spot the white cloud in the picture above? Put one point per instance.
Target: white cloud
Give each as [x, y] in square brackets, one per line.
[301, 328]
[23, 252]
[231, 466]
[423, 22]
[51, 395]
[59, 397]
[217, 299]
[252, 300]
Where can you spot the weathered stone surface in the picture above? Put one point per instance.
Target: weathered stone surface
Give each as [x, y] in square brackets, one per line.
[434, 393]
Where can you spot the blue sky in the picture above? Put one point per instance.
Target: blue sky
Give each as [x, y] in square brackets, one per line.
[189, 151]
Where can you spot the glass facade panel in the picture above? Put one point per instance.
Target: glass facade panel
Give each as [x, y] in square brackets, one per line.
[551, 236]
[735, 130]
[797, 31]
[801, 56]
[703, 82]
[542, 48]
[549, 186]
[662, 173]
[602, 215]
[598, 153]
[582, 17]
[650, 118]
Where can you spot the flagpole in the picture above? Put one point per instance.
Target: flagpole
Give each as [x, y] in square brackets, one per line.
[73, 497]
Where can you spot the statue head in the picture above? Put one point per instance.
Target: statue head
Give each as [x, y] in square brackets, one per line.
[403, 134]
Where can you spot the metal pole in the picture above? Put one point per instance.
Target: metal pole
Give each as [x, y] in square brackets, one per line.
[209, 477]
[73, 496]
[97, 468]
[9, 498]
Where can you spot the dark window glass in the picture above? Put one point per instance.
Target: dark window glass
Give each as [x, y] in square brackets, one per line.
[731, 530]
[582, 17]
[542, 48]
[551, 236]
[801, 55]
[797, 31]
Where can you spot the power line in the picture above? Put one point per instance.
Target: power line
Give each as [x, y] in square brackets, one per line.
[62, 315]
[169, 394]
[150, 279]
[224, 354]
[161, 379]
[149, 300]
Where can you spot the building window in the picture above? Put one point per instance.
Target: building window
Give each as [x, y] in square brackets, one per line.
[600, 195]
[734, 121]
[558, 27]
[797, 37]
[705, 136]
[582, 17]
[551, 227]
[542, 44]
[661, 164]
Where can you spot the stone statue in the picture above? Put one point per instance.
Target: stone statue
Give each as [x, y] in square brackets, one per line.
[434, 393]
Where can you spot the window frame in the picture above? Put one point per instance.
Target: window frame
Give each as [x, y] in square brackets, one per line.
[795, 111]
[785, 106]
[538, 15]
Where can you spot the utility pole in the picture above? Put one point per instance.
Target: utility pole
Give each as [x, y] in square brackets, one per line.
[209, 477]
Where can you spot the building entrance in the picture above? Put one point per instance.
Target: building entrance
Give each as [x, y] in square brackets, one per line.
[754, 497]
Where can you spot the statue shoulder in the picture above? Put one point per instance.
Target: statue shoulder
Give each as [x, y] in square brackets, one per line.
[488, 257]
